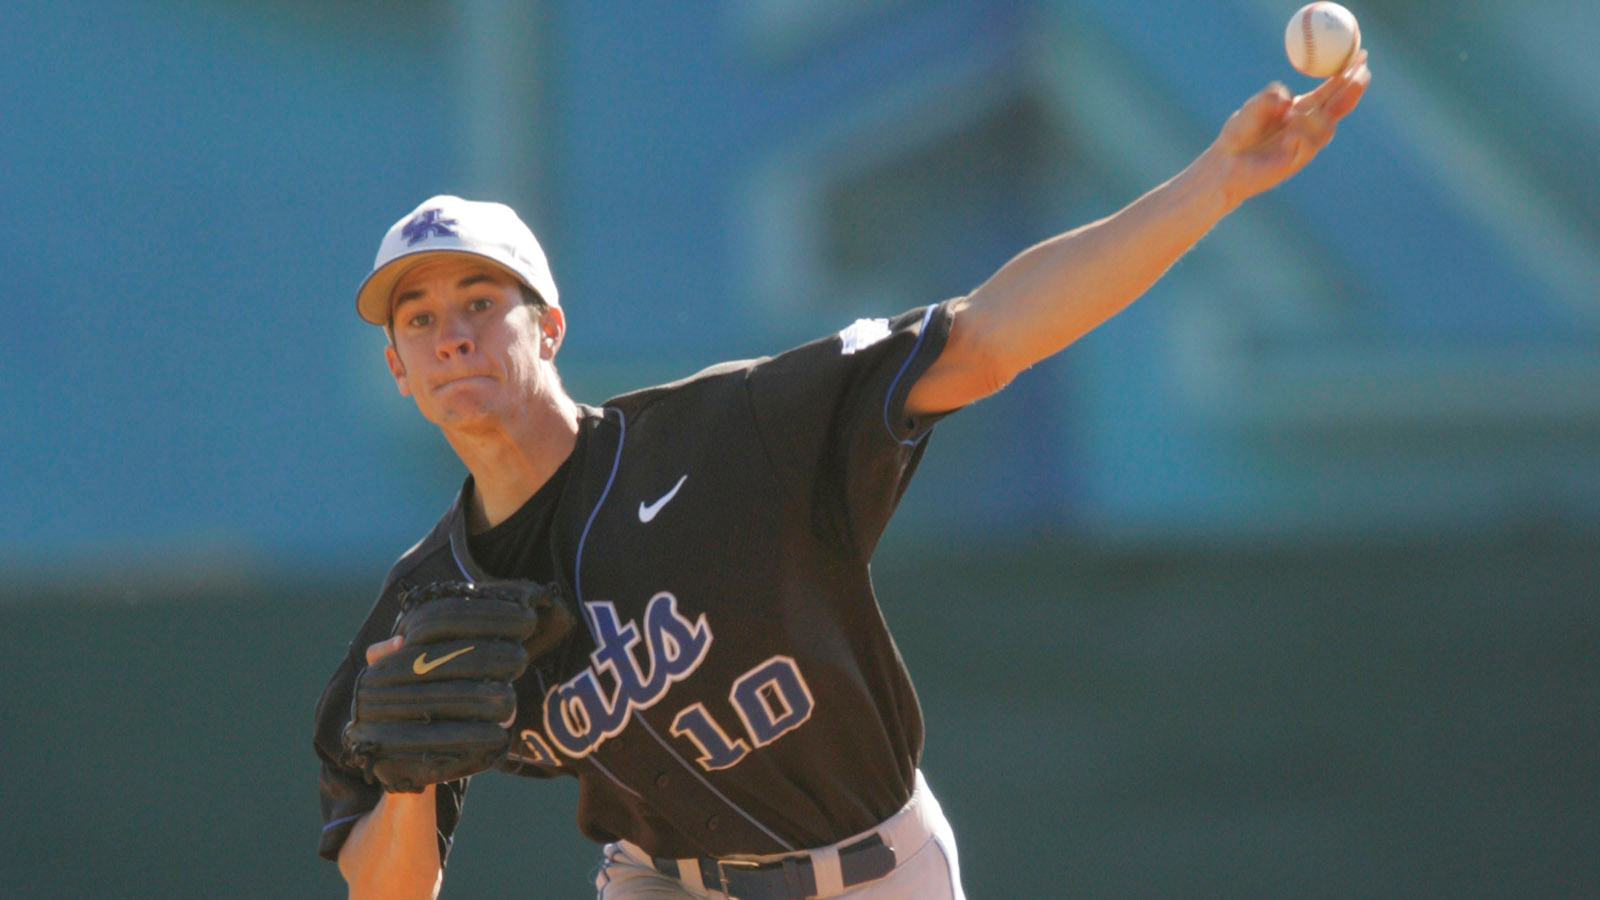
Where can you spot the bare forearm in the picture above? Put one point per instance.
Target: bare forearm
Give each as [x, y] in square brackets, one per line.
[393, 851]
[1057, 291]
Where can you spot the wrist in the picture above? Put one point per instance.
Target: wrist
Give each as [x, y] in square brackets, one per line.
[402, 803]
[1208, 181]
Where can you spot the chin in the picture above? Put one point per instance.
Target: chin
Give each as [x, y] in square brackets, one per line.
[465, 408]
[456, 414]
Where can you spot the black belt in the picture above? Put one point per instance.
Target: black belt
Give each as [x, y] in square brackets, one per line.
[789, 878]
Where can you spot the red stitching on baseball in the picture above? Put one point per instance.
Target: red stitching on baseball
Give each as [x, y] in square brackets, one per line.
[1311, 47]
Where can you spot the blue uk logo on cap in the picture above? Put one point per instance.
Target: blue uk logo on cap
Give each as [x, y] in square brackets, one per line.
[449, 224]
[426, 224]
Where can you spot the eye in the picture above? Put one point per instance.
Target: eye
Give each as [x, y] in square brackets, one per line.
[480, 304]
[420, 320]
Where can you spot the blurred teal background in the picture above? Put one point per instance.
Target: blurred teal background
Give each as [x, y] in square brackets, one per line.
[1282, 583]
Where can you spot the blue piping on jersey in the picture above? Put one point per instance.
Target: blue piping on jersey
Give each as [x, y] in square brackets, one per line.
[712, 788]
[583, 539]
[889, 398]
[602, 767]
[577, 574]
[577, 588]
[588, 622]
[350, 818]
[448, 842]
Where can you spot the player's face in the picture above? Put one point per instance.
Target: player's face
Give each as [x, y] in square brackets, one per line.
[466, 346]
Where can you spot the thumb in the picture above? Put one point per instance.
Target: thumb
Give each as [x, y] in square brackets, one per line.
[381, 649]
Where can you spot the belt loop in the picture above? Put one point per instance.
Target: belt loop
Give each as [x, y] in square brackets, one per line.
[691, 874]
[825, 865]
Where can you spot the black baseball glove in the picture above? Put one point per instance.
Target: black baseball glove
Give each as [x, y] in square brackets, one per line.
[438, 709]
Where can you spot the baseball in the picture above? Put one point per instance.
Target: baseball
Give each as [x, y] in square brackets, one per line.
[1321, 38]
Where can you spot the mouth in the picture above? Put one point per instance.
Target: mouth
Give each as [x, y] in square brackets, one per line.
[458, 379]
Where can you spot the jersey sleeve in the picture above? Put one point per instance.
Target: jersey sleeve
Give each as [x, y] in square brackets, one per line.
[346, 794]
[831, 415]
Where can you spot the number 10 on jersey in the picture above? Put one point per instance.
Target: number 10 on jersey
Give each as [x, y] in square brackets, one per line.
[771, 700]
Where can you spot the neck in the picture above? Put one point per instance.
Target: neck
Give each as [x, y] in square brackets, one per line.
[510, 461]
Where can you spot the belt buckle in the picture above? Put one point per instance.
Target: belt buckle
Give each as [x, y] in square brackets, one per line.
[745, 864]
[739, 863]
[775, 886]
[724, 866]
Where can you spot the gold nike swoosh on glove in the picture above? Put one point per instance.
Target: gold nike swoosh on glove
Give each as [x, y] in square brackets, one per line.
[422, 665]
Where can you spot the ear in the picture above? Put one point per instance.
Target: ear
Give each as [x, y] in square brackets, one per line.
[552, 328]
[397, 369]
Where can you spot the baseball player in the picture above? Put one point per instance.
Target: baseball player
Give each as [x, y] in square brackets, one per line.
[737, 717]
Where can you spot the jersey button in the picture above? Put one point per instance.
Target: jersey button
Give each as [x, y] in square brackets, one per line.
[713, 823]
[661, 780]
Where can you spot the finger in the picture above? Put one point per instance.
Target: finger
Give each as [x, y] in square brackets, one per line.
[1269, 105]
[1262, 114]
[1357, 60]
[1331, 87]
[381, 649]
[1346, 99]
[1317, 120]
[1314, 132]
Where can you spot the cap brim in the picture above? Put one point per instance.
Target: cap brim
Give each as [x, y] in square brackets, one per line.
[377, 292]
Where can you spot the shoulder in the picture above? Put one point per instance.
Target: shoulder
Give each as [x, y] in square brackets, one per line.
[885, 353]
[711, 380]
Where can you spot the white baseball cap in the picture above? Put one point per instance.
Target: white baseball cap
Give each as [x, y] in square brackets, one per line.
[446, 224]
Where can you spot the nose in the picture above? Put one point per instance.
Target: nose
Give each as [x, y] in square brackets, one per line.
[454, 340]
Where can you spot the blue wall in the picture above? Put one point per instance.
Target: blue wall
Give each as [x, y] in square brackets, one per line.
[195, 190]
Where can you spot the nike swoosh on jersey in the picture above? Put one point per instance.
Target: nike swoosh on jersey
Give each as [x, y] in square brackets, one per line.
[422, 665]
[647, 511]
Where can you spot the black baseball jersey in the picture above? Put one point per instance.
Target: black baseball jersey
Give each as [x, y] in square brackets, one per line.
[735, 689]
